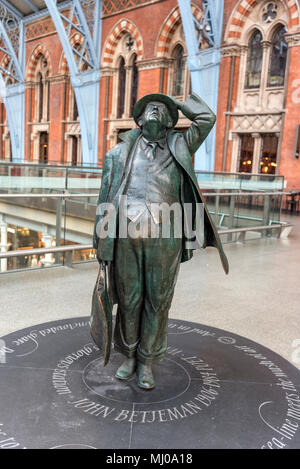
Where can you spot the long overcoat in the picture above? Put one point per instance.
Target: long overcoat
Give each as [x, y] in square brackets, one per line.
[118, 162]
[117, 166]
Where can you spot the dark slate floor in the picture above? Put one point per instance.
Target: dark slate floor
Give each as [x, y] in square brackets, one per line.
[214, 389]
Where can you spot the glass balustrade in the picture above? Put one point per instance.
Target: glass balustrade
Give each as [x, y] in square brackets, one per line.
[64, 215]
[221, 181]
[46, 178]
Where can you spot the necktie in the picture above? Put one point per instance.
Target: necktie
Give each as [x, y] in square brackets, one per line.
[153, 146]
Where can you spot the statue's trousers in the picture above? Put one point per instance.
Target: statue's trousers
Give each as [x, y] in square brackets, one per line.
[145, 275]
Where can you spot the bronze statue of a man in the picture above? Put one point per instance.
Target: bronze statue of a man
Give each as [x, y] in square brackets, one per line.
[152, 165]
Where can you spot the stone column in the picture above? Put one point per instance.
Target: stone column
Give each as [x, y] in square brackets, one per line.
[128, 90]
[256, 153]
[235, 152]
[263, 96]
[4, 245]
[242, 75]
[36, 145]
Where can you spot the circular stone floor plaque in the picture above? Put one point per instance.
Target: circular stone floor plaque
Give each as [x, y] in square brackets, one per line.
[214, 389]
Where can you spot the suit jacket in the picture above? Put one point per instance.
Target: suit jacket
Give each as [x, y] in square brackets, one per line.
[118, 163]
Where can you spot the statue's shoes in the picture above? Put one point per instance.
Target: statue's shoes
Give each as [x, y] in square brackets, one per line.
[127, 369]
[145, 376]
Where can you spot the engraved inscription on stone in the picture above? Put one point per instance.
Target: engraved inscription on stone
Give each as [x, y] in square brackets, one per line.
[209, 382]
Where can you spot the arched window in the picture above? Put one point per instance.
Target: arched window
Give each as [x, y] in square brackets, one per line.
[44, 144]
[179, 68]
[268, 162]
[254, 61]
[278, 58]
[42, 90]
[134, 84]
[48, 96]
[41, 96]
[121, 87]
[246, 153]
[74, 114]
[75, 108]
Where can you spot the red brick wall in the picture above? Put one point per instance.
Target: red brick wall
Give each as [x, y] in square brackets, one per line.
[223, 96]
[55, 128]
[289, 165]
[54, 47]
[149, 20]
[222, 107]
[2, 130]
[225, 71]
[149, 80]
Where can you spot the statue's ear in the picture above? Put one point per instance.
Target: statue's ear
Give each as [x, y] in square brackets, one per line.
[169, 120]
[170, 123]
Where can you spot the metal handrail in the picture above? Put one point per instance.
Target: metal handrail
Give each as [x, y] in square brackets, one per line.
[279, 176]
[46, 165]
[253, 228]
[237, 194]
[65, 195]
[80, 247]
[95, 166]
[75, 194]
[36, 251]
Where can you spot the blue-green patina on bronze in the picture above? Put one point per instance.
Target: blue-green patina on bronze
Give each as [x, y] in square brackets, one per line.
[153, 164]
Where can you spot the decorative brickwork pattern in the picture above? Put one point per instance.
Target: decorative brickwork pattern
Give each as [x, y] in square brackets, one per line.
[245, 7]
[63, 66]
[113, 6]
[40, 28]
[123, 27]
[8, 65]
[40, 49]
[166, 33]
[88, 8]
[11, 25]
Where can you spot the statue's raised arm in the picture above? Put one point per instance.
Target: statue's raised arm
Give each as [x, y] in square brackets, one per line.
[202, 117]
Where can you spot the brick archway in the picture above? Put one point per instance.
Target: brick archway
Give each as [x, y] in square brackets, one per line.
[39, 50]
[63, 63]
[167, 29]
[5, 61]
[122, 27]
[243, 10]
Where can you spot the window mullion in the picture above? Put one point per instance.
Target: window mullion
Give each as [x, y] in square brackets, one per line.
[171, 70]
[186, 81]
[256, 152]
[128, 69]
[266, 45]
[44, 107]
[242, 75]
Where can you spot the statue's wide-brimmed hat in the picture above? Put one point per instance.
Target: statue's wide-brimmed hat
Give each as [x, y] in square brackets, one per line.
[142, 103]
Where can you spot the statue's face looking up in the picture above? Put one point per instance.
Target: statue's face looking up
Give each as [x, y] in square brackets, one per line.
[156, 112]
